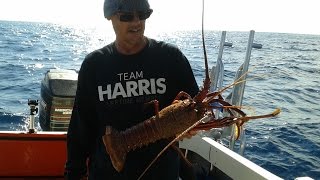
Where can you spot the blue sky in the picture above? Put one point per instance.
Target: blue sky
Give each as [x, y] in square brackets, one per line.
[291, 16]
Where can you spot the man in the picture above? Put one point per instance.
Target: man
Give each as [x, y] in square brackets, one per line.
[115, 84]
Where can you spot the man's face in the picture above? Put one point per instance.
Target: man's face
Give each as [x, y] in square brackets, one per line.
[129, 26]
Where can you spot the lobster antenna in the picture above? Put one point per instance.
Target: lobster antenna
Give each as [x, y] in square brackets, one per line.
[203, 44]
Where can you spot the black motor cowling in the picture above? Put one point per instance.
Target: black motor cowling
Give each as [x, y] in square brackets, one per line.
[58, 90]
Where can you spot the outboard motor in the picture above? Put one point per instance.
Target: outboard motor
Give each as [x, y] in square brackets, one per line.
[58, 90]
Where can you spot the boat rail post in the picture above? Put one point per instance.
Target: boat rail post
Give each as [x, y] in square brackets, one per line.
[33, 111]
[217, 72]
[238, 91]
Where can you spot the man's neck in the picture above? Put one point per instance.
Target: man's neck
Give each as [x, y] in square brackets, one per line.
[128, 48]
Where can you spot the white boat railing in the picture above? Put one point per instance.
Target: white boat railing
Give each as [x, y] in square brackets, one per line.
[229, 162]
[217, 72]
[238, 91]
[221, 156]
[236, 96]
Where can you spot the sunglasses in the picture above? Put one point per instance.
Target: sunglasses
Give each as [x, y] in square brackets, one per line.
[129, 16]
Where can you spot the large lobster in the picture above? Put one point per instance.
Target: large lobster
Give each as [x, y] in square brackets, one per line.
[184, 114]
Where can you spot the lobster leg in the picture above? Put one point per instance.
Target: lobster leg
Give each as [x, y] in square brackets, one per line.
[156, 106]
[227, 121]
[229, 106]
[182, 95]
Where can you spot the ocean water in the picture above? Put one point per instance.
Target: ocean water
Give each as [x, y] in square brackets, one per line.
[284, 74]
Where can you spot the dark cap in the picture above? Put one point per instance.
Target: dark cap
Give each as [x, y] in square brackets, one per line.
[110, 7]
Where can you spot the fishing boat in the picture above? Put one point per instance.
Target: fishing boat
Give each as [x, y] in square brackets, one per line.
[41, 154]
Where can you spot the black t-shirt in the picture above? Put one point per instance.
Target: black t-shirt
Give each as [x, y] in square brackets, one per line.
[113, 90]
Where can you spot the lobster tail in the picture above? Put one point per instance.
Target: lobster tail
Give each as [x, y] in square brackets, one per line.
[170, 121]
[114, 143]
[118, 144]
